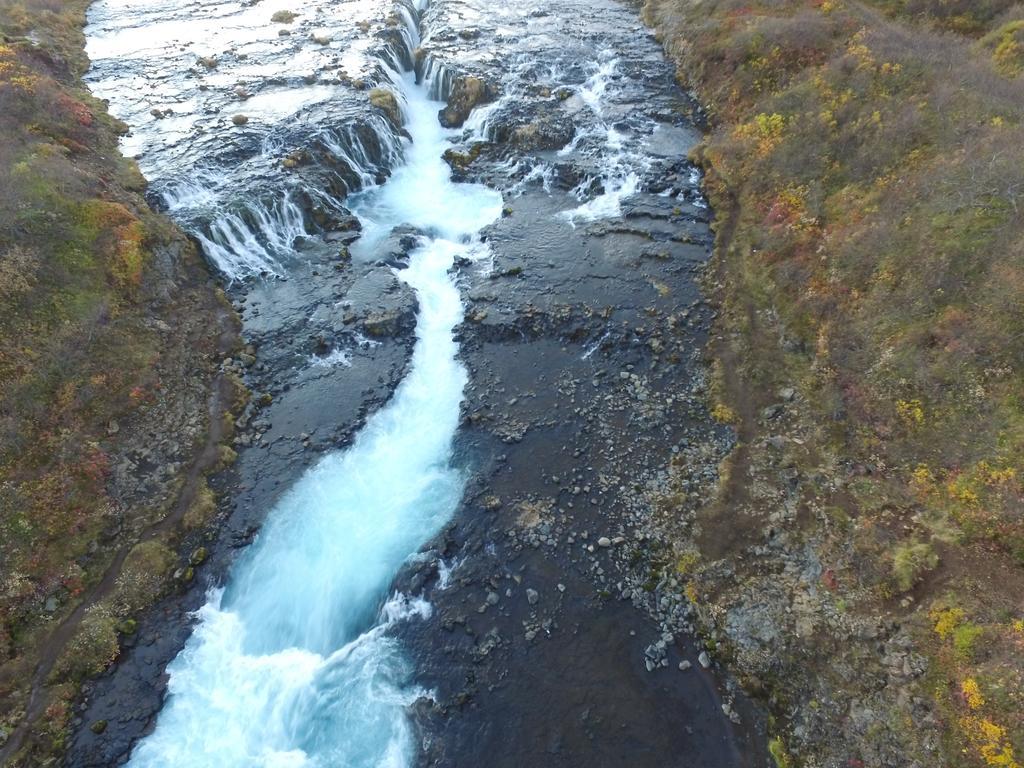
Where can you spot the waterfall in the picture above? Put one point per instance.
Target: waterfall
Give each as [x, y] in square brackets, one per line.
[291, 662]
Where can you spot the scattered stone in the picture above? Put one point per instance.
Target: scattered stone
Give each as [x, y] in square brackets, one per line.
[240, 119]
[532, 596]
[704, 660]
[684, 665]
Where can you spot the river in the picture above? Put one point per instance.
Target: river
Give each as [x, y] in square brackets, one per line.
[351, 248]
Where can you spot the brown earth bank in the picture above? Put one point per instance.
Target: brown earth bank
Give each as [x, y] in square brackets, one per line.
[861, 567]
[112, 400]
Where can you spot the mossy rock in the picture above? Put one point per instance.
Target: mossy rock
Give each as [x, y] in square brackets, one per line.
[198, 557]
[460, 161]
[467, 93]
[284, 17]
[128, 627]
[386, 102]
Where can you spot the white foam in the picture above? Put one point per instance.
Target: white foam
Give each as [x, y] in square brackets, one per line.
[620, 166]
[332, 359]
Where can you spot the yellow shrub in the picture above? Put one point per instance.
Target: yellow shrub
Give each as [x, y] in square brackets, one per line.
[690, 590]
[989, 739]
[972, 693]
[723, 414]
[687, 562]
[766, 129]
[946, 621]
[911, 411]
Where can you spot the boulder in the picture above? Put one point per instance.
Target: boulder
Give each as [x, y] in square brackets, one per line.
[548, 132]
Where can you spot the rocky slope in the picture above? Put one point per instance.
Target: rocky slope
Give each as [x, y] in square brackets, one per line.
[111, 395]
[861, 565]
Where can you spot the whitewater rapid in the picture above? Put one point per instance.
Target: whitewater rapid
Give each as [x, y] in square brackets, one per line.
[291, 664]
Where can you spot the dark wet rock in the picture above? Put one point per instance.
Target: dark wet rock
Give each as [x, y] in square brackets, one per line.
[394, 251]
[388, 323]
[548, 132]
[337, 222]
[566, 176]
[468, 91]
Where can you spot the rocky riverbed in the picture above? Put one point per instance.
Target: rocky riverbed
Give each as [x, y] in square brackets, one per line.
[559, 632]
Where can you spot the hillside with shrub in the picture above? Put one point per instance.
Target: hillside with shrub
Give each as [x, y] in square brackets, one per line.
[108, 337]
[866, 161]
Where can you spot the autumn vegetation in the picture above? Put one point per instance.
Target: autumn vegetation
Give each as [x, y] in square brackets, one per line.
[79, 350]
[866, 160]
